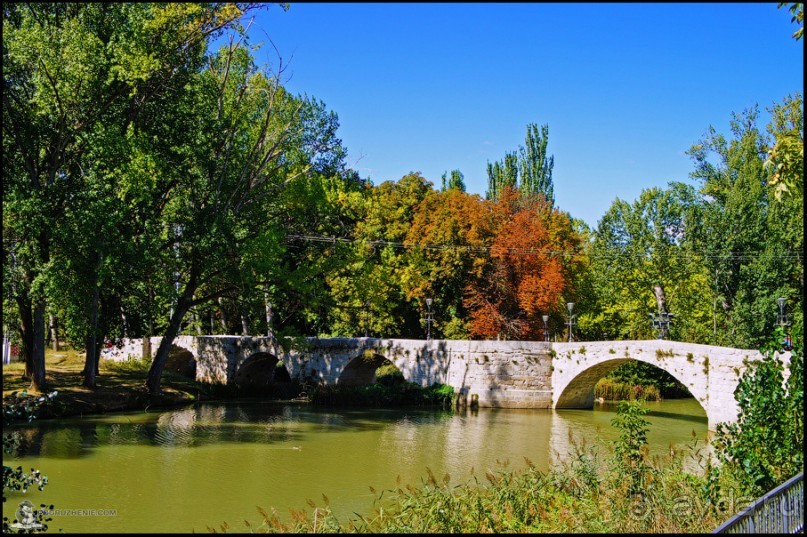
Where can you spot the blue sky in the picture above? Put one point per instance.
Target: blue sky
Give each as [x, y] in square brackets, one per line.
[625, 88]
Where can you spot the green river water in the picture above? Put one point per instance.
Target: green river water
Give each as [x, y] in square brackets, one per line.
[189, 469]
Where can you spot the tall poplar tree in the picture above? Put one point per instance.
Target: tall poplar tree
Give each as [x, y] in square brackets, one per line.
[528, 169]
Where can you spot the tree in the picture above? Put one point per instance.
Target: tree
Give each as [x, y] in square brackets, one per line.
[251, 140]
[638, 246]
[369, 291]
[529, 168]
[456, 181]
[451, 232]
[528, 271]
[797, 10]
[785, 159]
[753, 248]
[69, 70]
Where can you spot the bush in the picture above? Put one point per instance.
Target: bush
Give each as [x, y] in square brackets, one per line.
[765, 446]
[391, 394]
[23, 407]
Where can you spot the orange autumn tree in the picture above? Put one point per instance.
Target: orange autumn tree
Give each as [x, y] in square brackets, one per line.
[447, 251]
[528, 271]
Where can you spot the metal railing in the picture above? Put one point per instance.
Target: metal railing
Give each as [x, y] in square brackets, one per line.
[779, 511]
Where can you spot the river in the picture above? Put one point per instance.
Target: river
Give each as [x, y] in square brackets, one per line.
[192, 468]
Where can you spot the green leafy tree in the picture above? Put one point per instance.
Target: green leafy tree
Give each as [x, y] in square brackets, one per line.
[252, 140]
[797, 10]
[752, 246]
[785, 159]
[370, 291]
[636, 247]
[529, 168]
[68, 71]
[456, 181]
[765, 446]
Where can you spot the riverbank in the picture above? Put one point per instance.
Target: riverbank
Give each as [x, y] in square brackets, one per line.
[119, 388]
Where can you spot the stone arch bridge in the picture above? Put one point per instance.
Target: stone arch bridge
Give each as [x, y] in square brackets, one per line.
[506, 374]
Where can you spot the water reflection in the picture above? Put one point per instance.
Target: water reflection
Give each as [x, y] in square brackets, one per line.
[199, 466]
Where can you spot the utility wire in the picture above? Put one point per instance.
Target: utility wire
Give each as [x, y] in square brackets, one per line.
[739, 256]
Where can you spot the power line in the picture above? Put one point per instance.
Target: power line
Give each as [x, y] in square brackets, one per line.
[693, 254]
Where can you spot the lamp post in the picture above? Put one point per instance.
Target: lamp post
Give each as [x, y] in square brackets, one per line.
[429, 318]
[546, 327]
[661, 322]
[366, 318]
[783, 320]
[570, 319]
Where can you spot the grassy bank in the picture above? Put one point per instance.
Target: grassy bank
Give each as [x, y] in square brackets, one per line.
[120, 386]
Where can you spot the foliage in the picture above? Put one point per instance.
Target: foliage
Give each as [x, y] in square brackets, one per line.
[528, 169]
[389, 393]
[457, 181]
[630, 450]
[638, 373]
[23, 407]
[754, 244]
[611, 390]
[765, 446]
[531, 263]
[785, 160]
[797, 10]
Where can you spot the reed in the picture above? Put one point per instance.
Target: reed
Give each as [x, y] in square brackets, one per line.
[583, 494]
[611, 390]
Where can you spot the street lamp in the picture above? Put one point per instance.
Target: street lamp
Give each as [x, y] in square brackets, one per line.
[661, 322]
[546, 327]
[429, 318]
[570, 322]
[783, 320]
[366, 317]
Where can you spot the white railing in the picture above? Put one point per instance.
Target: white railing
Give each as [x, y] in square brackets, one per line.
[779, 511]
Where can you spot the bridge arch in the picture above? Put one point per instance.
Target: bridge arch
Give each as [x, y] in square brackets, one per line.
[261, 369]
[362, 369]
[181, 361]
[579, 392]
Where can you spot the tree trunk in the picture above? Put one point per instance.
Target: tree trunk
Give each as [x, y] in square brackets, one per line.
[184, 303]
[198, 322]
[26, 335]
[125, 323]
[244, 324]
[91, 348]
[269, 313]
[38, 383]
[223, 315]
[54, 334]
[146, 352]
